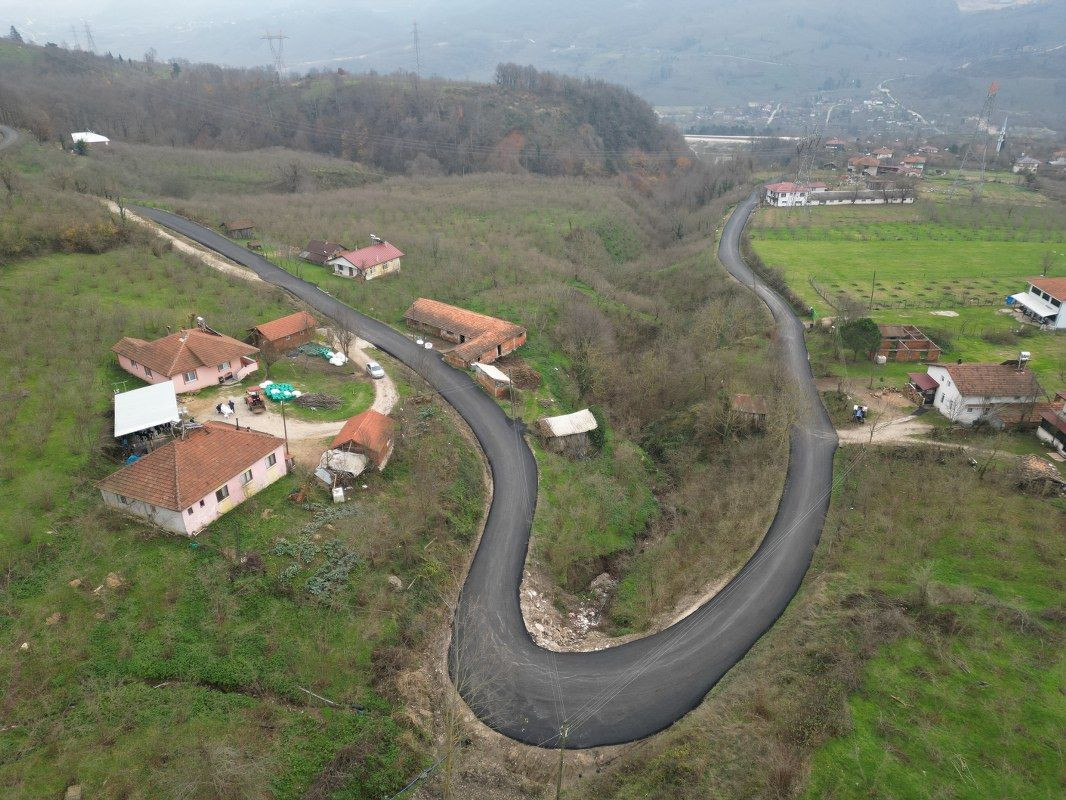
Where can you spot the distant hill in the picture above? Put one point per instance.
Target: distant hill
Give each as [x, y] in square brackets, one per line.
[524, 120]
[672, 52]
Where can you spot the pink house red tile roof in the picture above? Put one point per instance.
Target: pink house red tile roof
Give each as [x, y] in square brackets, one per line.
[993, 380]
[183, 471]
[369, 429]
[183, 351]
[278, 329]
[1056, 287]
[367, 257]
[481, 331]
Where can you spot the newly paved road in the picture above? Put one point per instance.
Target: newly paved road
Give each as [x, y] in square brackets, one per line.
[8, 136]
[633, 690]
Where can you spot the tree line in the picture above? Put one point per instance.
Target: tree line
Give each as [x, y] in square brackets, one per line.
[526, 121]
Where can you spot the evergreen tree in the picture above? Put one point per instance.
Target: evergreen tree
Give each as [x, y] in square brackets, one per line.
[15, 36]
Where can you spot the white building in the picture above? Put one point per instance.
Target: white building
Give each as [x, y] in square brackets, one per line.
[967, 393]
[786, 194]
[89, 138]
[1026, 164]
[368, 263]
[1043, 301]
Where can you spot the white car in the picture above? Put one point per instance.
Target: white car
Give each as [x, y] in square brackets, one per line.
[374, 370]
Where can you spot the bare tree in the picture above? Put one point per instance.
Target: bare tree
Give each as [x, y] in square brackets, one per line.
[341, 338]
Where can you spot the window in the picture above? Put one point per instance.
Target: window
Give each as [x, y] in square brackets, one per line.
[148, 372]
[223, 366]
[123, 499]
[272, 459]
[189, 377]
[189, 511]
[222, 494]
[203, 503]
[246, 478]
[134, 363]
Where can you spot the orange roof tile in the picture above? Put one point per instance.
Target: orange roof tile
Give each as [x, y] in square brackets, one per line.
[368, 429]
[481, 331]
[183, 351]
[1056, 287]
[183, 471]
[993, 380]
[286, 326]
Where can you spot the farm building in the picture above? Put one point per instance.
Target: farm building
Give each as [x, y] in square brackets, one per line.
[785, 193]
[1037, 475]
[239, 228]
[1052, 429]
[863, 164]
[478, 337]
[193, 358]
[370, 434]
[750, 409]
[1043, 301]
[567, 434]
[367, 263]
[319, 251]
[969, 393]
[921, 387]
[883, 153]
[88, 137]
[906, 343]
[1026, 164]
[860, 197]
[282, 335]
[191, 481]
[493, 379]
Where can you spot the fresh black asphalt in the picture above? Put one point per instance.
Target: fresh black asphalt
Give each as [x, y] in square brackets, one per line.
[621, 693]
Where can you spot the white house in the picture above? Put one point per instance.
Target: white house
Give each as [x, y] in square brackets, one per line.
[1026, 164]
[1043, 301]
[786, 193]
[89, 138]
[367, 263]
[967, 393]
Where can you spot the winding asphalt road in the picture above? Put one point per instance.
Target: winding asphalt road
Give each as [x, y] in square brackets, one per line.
[621, 693]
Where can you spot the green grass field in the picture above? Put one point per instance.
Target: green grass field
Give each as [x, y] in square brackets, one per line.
[922, 658]
[928, 258]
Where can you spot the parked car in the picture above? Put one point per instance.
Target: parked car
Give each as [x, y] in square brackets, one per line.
[374, 370]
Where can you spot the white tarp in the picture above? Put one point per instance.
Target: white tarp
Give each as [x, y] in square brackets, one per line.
[568, 424]
[495, 373]
[343, 461]
[1038, 305]
[142, 408]
[89, 137]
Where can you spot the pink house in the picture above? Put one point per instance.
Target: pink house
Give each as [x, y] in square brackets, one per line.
[189, 482]
[368, 263]
[193, 358]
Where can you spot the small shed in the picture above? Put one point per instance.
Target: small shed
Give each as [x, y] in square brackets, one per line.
[239, 228]
[282, 335]
[369, 433]
[750, 409]
[568, 434]
[89, 137]
[492, 378]
[319, 251]
[1036, 475]
[922, 387]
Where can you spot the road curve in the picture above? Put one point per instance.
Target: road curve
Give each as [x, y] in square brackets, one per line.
[8, 136]
[621, 693]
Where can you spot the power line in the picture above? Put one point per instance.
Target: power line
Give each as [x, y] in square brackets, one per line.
[277, 48]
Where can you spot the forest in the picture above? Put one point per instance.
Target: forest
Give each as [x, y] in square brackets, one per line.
[525, 121]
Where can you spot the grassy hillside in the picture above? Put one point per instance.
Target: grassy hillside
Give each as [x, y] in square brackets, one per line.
[922, 657]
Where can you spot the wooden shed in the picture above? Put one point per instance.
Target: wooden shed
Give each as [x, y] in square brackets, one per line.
[567, 434]
[493, 379]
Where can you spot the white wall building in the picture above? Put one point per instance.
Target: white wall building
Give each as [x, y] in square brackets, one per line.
[967, 393]
[1043, 301]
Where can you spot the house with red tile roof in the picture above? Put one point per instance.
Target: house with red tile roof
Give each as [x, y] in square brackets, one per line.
[281, 335]
[367, 263]
[970, 393]
[194, 479]
[883, 153]
[1043, 301]
[369, 433]
[478, 337]
[194, 358]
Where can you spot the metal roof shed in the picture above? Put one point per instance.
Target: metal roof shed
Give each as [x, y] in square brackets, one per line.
[145, 407]
[569, 424]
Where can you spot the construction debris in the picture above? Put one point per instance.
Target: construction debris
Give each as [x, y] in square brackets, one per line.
[318, 400]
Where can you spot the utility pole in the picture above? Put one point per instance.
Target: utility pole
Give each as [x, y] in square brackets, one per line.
[284, 428]
[563, 733]
[90, 43]
[277, 49]
[981, 132]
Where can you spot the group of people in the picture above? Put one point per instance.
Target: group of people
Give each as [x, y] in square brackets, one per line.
[860, 413]
[226, 408]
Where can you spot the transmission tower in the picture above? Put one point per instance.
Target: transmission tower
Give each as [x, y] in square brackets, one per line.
[418, 50]
[277, 48]
[74, 33]
[980, 132]
[90, 43]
